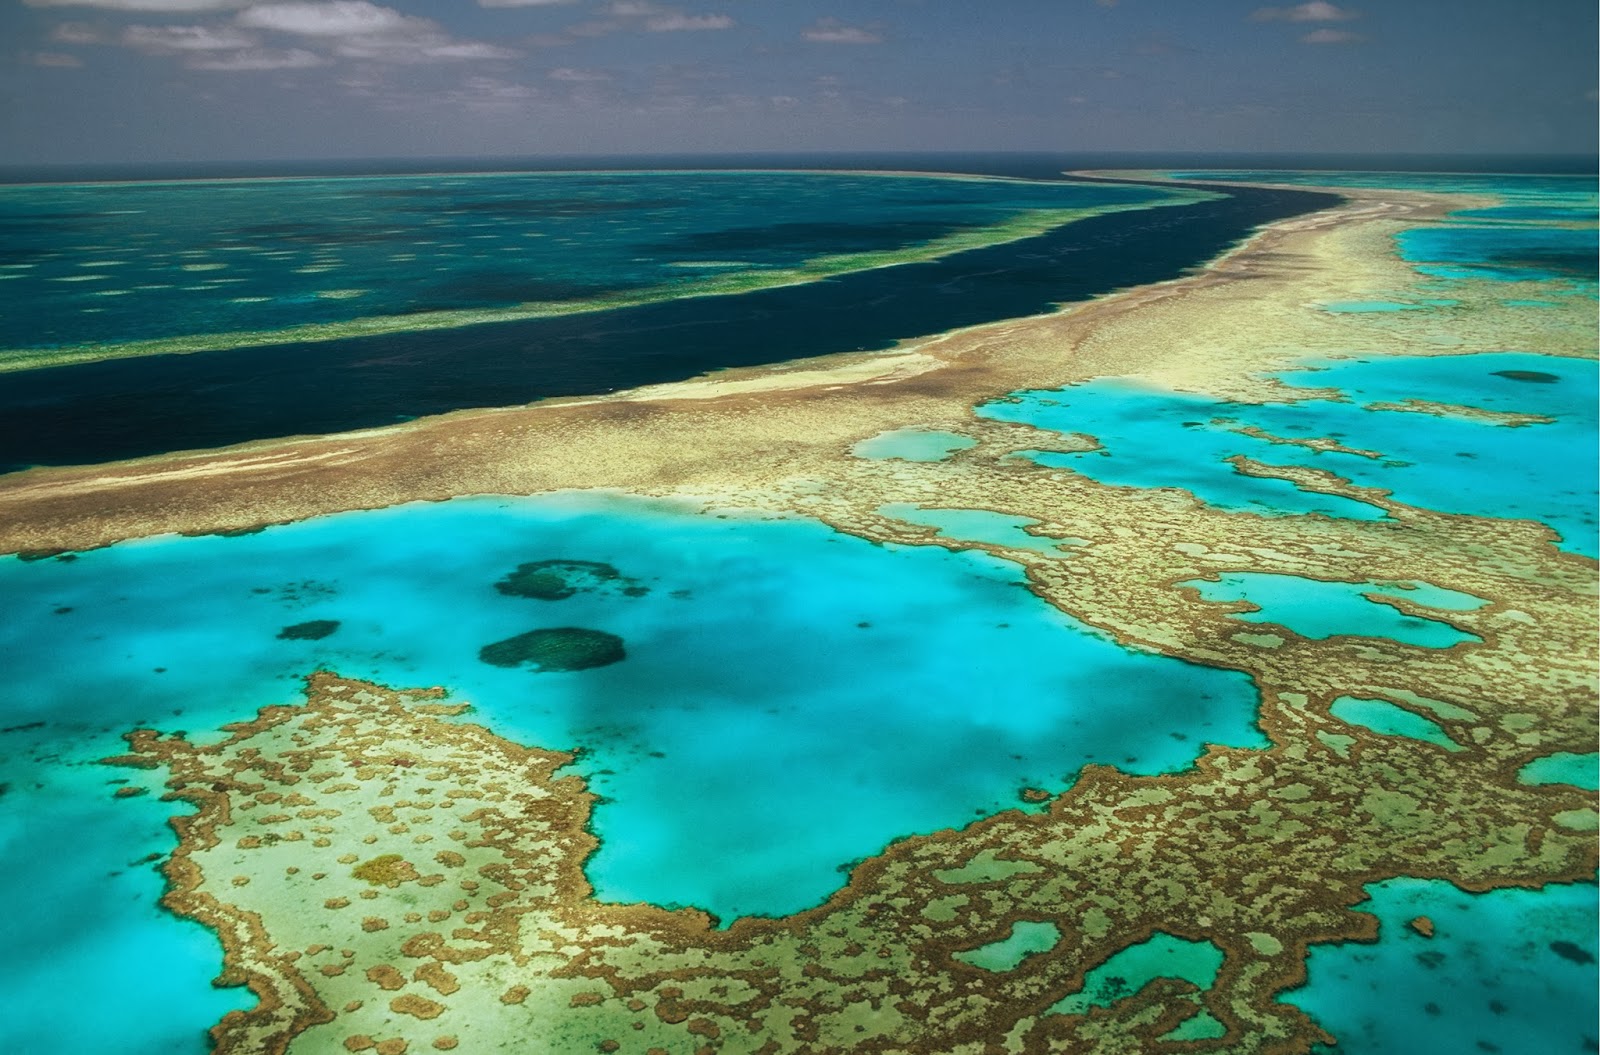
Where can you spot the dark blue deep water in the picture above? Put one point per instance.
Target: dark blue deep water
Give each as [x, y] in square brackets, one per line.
[107, 410]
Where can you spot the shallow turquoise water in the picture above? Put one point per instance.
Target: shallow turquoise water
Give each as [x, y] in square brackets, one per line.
[1563, 767]
[1510, 968]
[979, 525]
[792, 699]
[913, 445]
[1157, 438]
[1317, 609]
[1507, 252]
[1026, 939]
[1387, 719]
[1368, 307]
[1130, 970]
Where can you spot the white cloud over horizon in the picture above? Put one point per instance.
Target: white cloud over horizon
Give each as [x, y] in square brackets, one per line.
[833, 31]
[1331, 36]
[320, 33]
[675, 22]
[1312, 11]
[147, 6]
[260, 59]
[55, 60]
[186, 38]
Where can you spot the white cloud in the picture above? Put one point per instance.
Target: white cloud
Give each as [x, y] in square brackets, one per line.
[259, 59]
[362, 30]
[143, 5]
[55, 59]
[634, 15]
[832, 31]
[573, 76]
[1313, 11]
[467, 49]
[185, 38]
[77, 33]
[333, 18]
[522, 3]
[1331, 36]
[678, 23]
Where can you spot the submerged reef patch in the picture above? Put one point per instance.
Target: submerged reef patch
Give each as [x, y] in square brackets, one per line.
[311, 630]
[562, 648]
[556, 580]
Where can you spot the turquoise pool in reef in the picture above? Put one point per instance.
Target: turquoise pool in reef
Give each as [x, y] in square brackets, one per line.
[979, 525]
[913, 445]
[791, 699]
[1317, 609]
[1506, 971]
[1449, 460]
[1129, 970]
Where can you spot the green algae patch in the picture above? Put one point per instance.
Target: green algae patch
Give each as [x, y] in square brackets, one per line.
[986, 867]
[562, 648]
[1026, 939]
[1563, 767]
[556, 580]
[314, 630]
[388, 870]
[1387, 719]
[1133, 968]
[1200, 1026]
[1579, 820]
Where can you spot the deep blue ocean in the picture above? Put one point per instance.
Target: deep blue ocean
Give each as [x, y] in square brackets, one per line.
[326, 246]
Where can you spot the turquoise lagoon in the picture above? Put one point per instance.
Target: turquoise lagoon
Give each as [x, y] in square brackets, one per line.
[979, 526]
[1319, 609]
[913, 445]
[1129, 970]
[1388, 719]
[792, 700]
[1453, 463]
[1027, 938]
[1508, 971]
[1564, 767]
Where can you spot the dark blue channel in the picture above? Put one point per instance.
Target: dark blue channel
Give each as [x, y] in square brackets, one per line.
[98, 412]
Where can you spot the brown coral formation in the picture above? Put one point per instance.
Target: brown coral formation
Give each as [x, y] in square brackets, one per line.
[1261, 853]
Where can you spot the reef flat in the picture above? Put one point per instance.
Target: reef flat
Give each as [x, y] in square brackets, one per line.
[386, 878]
[449, 858]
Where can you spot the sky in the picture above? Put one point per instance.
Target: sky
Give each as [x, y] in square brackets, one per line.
[141, 81]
